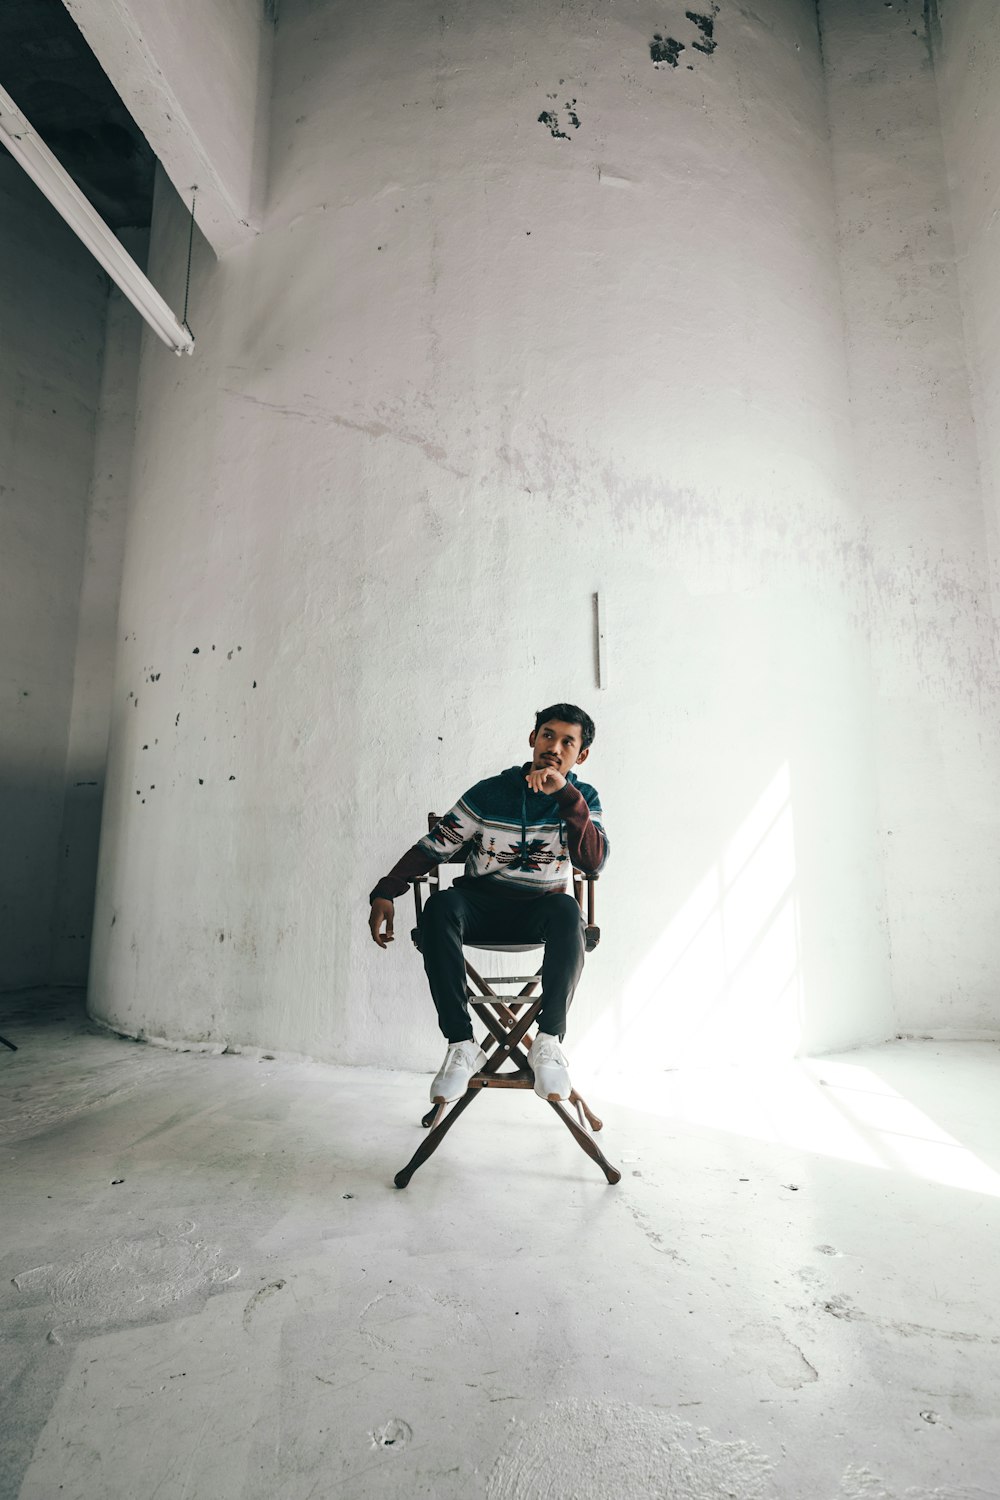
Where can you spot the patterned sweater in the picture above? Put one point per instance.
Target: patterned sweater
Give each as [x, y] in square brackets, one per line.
[519, 842]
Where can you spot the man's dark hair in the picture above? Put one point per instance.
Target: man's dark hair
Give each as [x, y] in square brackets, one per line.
[568, 713]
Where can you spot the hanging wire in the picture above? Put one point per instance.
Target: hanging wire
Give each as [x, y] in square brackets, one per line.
[187, 278]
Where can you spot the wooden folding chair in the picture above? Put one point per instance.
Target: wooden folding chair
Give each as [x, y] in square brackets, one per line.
[508, 1019]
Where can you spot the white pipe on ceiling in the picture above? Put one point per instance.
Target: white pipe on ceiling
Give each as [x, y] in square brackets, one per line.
[31, 152]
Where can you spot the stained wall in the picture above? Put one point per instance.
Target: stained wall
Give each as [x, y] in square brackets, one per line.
[546, 302]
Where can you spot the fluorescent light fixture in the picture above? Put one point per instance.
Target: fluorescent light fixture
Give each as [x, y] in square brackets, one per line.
[28, 149]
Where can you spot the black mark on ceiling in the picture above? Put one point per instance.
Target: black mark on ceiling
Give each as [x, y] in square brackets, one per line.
[86, 783]
[196, 651]
[177, 721]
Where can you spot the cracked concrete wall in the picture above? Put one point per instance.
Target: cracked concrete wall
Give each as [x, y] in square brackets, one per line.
[545, 302]
[935, 680]
[53, 298]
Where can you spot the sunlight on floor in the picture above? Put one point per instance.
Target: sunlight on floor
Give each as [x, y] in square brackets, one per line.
[827, 1106]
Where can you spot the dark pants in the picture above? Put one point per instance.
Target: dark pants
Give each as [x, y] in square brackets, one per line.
[465, 915]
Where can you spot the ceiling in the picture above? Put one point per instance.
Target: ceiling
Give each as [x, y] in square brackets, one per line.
[55, 79]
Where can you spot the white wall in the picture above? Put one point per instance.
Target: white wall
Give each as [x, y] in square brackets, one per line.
[937, 708]
[52, 306]
[967, 58]
[468, 374]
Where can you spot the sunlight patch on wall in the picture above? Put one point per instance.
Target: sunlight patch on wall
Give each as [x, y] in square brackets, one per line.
[723, 979]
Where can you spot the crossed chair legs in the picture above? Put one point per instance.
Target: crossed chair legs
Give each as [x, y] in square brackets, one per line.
[508, 1028]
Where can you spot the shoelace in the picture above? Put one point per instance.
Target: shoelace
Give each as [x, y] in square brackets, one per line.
[550, 1052]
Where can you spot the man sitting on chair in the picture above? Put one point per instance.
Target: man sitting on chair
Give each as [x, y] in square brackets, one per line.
[522, 830]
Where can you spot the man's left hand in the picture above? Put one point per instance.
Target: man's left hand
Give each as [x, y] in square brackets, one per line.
[545, 779]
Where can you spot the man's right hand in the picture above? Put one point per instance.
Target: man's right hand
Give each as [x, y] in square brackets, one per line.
[382, 913]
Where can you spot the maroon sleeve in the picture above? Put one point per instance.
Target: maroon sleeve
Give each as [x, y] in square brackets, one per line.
[415, 861]
[588, 847]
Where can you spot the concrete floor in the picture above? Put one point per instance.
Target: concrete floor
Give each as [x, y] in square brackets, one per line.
[211, 1289]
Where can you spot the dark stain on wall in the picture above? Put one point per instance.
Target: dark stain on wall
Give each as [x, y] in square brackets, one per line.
[551, 120]
[706, 25]
[665, 50]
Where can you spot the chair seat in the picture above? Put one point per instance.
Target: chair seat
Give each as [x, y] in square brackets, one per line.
[591, 939]
[504, 947]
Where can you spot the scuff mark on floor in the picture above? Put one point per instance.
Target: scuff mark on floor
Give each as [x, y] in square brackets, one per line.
[654, 1237]
[841, 1307]
[261, 1295]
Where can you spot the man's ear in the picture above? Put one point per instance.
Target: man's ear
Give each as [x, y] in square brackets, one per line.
[532, 737]
[583, 755]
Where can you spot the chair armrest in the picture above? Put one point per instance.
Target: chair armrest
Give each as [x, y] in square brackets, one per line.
[588, 878]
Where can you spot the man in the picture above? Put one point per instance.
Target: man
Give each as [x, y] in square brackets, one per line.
[523, 830]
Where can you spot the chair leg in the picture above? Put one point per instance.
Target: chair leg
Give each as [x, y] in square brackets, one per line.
[584, 1139]
[434, 1138]
[582, 1108]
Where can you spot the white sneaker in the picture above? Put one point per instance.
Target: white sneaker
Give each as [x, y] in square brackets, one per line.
[548, 1063]
[461, 1061]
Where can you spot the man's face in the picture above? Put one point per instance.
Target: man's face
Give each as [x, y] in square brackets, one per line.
[557, 745]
